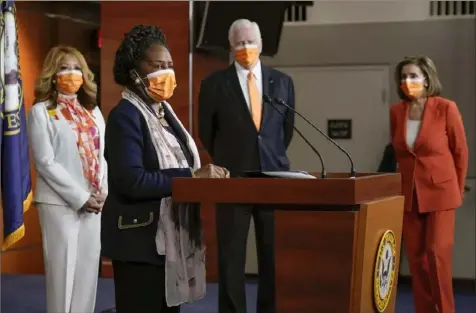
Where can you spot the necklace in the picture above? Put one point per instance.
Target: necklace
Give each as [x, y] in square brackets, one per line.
[163, 122]
[159, 112]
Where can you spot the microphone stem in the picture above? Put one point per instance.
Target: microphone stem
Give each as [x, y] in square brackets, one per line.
[323, 173]
[352, 169]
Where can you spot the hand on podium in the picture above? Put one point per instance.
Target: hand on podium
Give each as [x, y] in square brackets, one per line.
[211, 171]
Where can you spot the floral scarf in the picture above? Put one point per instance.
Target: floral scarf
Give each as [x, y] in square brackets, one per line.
[87, 136]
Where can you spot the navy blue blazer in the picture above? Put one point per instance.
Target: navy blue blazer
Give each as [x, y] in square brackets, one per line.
[136, 186]
[226, 128]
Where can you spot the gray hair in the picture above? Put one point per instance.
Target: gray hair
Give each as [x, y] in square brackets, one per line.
[241, 24]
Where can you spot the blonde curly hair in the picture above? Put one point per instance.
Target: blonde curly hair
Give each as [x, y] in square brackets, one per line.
[45, 88]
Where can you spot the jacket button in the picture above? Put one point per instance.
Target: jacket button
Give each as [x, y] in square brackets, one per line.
[134, 221]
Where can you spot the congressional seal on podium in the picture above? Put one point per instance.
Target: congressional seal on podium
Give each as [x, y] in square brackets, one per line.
[384, 273]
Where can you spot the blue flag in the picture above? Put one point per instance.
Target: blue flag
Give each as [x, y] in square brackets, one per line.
[15, 160]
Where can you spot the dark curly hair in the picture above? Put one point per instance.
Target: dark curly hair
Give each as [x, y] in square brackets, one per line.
[132, 49]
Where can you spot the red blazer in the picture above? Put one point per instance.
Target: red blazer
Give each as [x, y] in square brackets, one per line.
[437, 165]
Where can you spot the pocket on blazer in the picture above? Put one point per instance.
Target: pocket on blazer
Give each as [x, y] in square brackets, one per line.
[130, 221]
[440, 177]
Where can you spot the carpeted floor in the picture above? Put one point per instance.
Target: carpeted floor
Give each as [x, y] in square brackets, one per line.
[26, 294]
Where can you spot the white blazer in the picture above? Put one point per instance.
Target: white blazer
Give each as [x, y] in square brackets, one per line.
[60, 178]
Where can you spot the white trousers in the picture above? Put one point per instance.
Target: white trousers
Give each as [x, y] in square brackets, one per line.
[71, 249]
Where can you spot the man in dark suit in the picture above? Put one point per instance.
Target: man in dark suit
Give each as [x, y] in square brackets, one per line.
[242, 133]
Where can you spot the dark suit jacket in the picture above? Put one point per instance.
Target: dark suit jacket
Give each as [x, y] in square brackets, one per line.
[136, 186]
[226, 128]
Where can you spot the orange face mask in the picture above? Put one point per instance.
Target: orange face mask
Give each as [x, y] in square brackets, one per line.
[247, 55]
[413, 87]
[69, 81]
[161, 84]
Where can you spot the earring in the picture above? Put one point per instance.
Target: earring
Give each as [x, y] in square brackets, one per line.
[54, 81]
[137, 81]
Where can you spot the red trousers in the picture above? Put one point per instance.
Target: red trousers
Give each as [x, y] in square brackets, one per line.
[429, 239]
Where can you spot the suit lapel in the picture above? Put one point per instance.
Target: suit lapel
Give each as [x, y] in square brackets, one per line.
[425, 126]
[236, 93]
[234, 87]
[178, 131]
[99, 120]
[426, 121]
[174, 125]
[268, 90]
[404, 117]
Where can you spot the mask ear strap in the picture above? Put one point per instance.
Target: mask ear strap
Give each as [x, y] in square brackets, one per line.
[138, 80]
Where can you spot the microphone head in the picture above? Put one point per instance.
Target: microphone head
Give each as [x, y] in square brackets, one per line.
[267, 98]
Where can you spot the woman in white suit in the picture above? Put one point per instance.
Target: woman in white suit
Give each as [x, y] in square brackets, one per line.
[66, 130]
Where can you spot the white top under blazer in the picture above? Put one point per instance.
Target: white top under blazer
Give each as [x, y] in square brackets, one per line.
[413, 129]
[60, 178]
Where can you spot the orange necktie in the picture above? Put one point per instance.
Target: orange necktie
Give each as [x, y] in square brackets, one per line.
[255, 100]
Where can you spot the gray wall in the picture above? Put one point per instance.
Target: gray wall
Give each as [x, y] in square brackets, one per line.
[450, 43]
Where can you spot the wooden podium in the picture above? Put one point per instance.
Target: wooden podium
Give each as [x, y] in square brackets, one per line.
[327, 235]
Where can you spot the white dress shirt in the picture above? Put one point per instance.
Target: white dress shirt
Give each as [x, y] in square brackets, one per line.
[243, 78]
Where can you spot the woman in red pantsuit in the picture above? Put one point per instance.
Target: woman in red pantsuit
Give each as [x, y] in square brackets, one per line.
[432, 154]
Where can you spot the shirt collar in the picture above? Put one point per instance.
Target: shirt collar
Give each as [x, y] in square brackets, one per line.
[256, 70]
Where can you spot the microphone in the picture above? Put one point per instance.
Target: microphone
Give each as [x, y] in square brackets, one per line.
[269, 101]
[352, 168]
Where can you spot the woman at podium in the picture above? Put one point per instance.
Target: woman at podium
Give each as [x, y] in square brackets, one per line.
[432, 154]
[157, 251]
